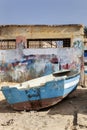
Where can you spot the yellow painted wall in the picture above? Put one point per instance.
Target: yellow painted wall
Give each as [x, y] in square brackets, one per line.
[41, 31]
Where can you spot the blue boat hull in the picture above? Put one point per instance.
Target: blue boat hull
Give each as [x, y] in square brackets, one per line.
[36, 98]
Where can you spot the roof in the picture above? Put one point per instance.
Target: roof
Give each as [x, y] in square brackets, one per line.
[13, 25]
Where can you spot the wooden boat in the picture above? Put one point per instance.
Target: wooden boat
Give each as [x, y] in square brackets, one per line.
[41, 92]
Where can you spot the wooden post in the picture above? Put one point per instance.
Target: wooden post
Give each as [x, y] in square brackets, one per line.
[82, 80]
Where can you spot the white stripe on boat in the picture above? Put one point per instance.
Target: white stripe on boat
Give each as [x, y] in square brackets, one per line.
[70, 84]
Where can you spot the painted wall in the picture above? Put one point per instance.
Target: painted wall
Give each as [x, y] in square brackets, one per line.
[24, 64]
[19, 65]
[41, 31]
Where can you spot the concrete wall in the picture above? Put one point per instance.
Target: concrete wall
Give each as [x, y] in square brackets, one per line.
[41, 31]
[74, 32]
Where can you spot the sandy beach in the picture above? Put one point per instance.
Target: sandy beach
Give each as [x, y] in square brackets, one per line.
[69, 114]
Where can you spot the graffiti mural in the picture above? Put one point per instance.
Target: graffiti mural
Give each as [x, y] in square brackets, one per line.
[22, 64]
[33, 63]
[78, 43]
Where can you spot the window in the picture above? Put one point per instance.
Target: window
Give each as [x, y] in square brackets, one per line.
[48, 43]
[7, 44]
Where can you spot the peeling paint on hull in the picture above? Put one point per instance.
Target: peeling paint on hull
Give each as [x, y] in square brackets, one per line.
[36, 105]
[44, 95]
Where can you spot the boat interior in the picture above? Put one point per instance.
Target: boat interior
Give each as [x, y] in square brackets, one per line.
[38, 82]
[68, 73]
[43, 80]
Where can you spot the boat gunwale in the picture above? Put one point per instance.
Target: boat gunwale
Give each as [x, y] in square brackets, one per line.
[20, 86]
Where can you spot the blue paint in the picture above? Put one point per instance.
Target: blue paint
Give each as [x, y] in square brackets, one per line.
[85, 53]
[85, 71]
[51, 89]
[48, 68]
[71, 79]
[68, 90]
[13, 95]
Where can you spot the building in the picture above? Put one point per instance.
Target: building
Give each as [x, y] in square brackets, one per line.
[43, 36]
[40, 36]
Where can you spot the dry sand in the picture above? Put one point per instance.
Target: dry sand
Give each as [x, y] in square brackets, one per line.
[69, 114]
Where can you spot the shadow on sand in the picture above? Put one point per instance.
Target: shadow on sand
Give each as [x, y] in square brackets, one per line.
[5, 107]
[76, 102]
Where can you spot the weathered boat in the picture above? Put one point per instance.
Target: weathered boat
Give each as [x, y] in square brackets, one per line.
[41, 92]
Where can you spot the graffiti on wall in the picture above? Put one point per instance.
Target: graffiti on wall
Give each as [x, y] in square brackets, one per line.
[22, 64]
[78, 43]
[33, 63]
